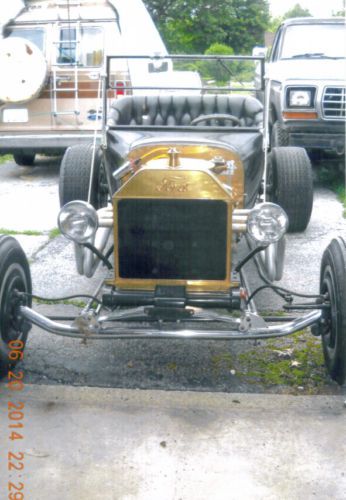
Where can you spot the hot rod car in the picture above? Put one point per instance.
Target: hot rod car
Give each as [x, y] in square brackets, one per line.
[179, 182]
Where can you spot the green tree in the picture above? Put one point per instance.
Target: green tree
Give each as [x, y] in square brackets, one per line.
[274, 24]
[221, 73]
[340, 13]
[191, 26]
[225, 71]
[297, 11]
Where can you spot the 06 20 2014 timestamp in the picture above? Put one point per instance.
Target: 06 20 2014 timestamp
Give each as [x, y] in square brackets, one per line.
[15, 409]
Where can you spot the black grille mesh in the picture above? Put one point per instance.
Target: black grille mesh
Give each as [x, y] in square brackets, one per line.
[172, 239]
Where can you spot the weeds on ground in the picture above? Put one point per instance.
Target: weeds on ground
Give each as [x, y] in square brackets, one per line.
[12, 232]
[5, 158]
[53, 233]
[341, 192]
[296, 362]
[66, 302]
[336, 181]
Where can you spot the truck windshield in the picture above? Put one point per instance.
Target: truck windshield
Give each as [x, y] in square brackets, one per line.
[34, 35]
[309, 41]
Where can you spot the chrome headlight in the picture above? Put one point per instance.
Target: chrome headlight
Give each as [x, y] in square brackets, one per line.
[300, 97]
[267, 223]
[78, 221]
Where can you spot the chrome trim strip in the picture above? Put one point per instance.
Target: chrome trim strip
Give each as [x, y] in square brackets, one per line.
[239, 218]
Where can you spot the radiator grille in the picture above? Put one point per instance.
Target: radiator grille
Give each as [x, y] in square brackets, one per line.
[172, 239]
[334, 102]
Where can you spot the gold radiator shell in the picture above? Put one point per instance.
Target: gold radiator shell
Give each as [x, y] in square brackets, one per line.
[162, 182]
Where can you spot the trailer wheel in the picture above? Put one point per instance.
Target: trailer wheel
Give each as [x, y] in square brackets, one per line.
[14, 275]
[279, 136]
[75, 172]
[333, 328]
[290, 185]
[24, 158]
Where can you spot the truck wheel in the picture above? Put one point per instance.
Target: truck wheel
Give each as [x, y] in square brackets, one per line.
[290, 185]
[14, 275]
[279, 136]
[333, 329]
[24, 158]
[75, 171]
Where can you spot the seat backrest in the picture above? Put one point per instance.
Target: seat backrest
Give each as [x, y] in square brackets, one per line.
[175, 110]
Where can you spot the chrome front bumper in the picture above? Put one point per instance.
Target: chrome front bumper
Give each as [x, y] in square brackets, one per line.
[249, 326]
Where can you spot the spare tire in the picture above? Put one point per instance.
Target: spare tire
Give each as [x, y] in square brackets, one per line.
[23, 69]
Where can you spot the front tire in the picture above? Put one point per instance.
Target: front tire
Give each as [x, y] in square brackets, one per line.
[290, 185]
[14, 275]
[333, 329]
[75, 172]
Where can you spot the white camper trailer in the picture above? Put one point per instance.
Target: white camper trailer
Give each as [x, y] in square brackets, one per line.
[52, 58]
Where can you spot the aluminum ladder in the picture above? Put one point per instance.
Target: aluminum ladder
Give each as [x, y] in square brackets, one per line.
[59, 72]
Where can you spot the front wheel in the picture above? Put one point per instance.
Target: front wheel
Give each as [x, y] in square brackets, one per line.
[333, 328]
[290, 185]
[14, 276]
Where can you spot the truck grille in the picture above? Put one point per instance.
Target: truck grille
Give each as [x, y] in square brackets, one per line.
[172, 239]
[334, 102]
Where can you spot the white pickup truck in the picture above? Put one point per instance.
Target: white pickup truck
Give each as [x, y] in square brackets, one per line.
[306, 76]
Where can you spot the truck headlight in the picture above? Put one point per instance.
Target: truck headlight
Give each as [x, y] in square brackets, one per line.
[267, 223]
[78, 221]
[300, 97]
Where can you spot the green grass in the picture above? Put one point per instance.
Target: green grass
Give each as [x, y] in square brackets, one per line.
[295, 362]
[221, 361]
[12, 232]
[5, 158]
[53, 233]
[66, 302]
[341, 192]
[336, 181]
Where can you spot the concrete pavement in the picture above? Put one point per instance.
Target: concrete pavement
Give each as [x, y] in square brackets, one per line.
[29, 196]
[92, 444]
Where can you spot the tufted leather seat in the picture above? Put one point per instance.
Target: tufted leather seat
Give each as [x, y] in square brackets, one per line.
[175, 110]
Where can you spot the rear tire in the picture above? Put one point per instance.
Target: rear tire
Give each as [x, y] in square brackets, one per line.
[75, 172]
[14, 275]
[333, 284]
[290, 185]
[24, 158]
